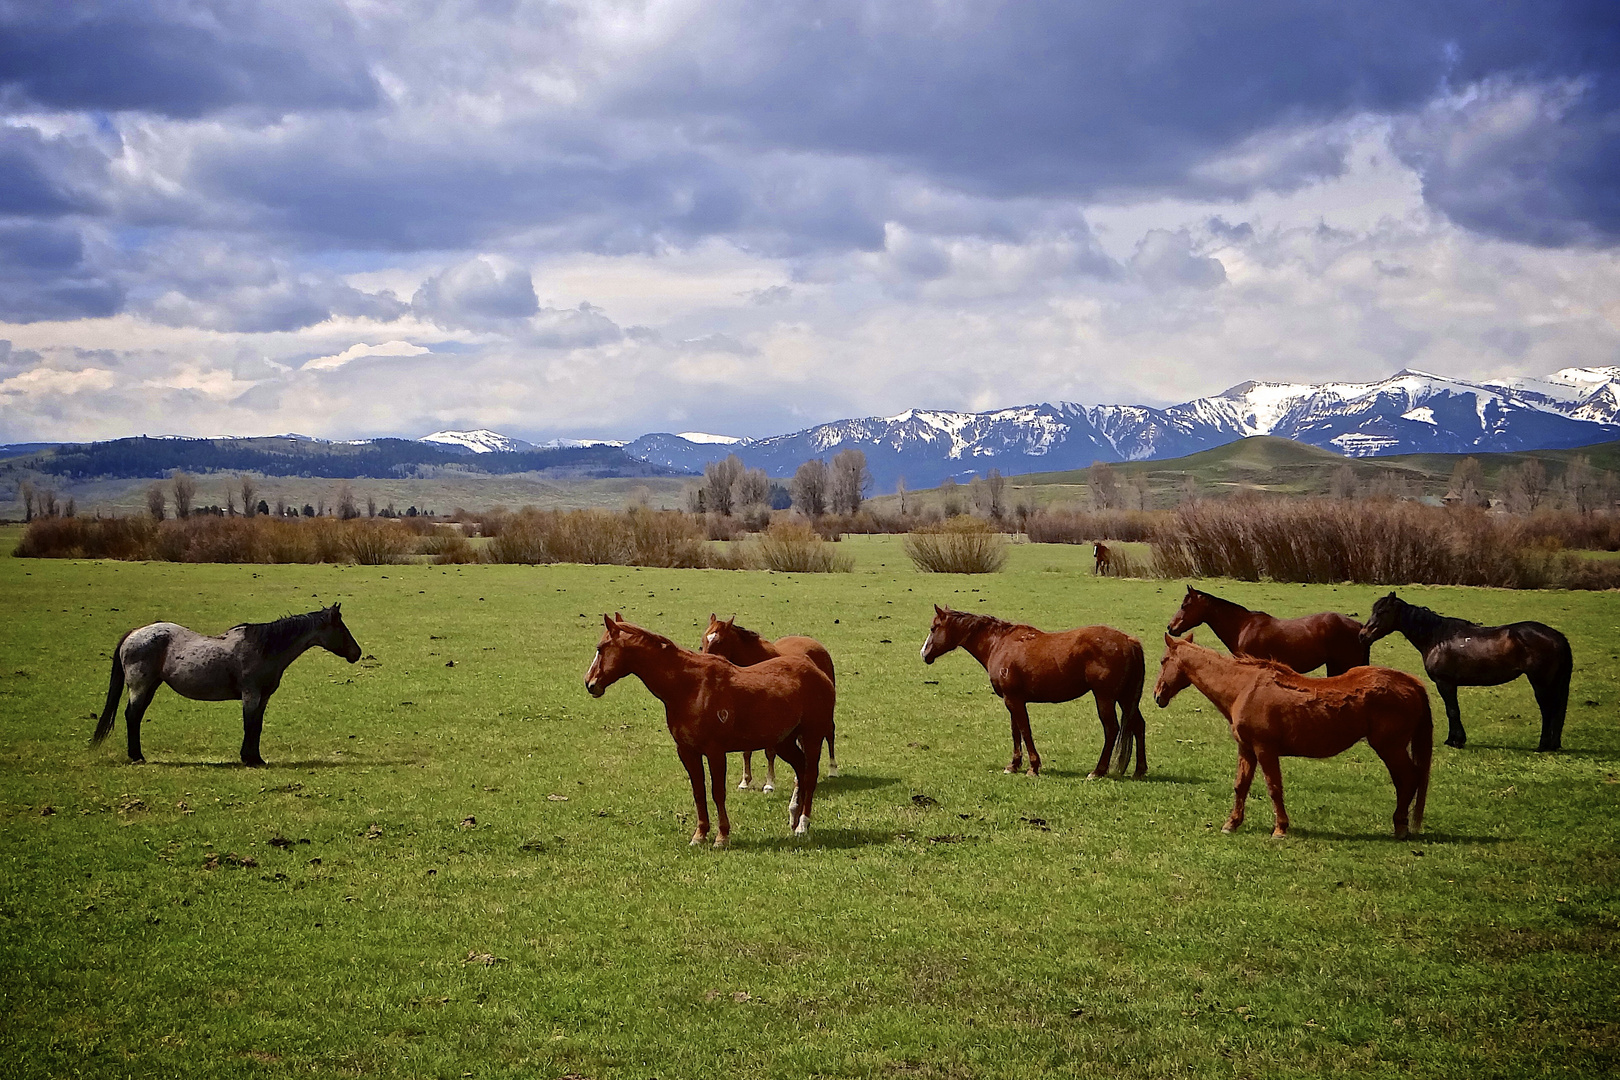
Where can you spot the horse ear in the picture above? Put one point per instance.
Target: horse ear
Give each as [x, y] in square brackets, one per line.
[938, 610]
[618, 616]
[711, 617]
[732, 622]
[607, 620]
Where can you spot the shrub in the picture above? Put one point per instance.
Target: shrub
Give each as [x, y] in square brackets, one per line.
[1086, 526]
[796, 548]
[959, 545]
[635, 538]
[373, 543]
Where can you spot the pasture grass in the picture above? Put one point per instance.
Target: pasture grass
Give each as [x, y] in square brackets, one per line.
[486, 871]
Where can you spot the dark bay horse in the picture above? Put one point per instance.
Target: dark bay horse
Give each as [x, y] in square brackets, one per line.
[1275, 712]
[1460, 653]
[246, 662]
[745, 648]
[714, 708]
[1026, 665]
[1102, 558]
[1303, 644]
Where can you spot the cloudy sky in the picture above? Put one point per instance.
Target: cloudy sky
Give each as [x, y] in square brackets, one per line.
[352, 218]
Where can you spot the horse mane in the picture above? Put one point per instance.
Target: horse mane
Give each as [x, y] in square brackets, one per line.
[746, 634]
[1221, 600]
[1425, 620]
[976, 621]
[283, 633]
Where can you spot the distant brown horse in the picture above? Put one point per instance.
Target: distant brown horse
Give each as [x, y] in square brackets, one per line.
[744, 648]
[1460, 653]
[1303, 644]
[713, 707]
[1275, 712]
[1102, 558]
[1027, 665]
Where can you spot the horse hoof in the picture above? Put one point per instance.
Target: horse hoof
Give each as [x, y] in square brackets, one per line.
[832, 770]
[1456, 744]
[1279, 834]
[721, 841]
[1013, 769]
[697, 838]
[768, 787]
[1094, 776]
[1548, 749]
[1401, 834]
[742, 785]
[1140, 773]
[254, 763]
[1229, 828]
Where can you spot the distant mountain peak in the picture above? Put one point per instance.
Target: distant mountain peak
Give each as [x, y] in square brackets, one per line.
[477, 441]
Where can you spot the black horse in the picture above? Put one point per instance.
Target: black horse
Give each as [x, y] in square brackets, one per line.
[1460, 653]
[245, 662]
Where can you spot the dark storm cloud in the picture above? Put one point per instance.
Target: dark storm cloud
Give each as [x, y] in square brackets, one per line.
[182, 59]
[1056, 98]
[479, 294]
[42, 177]
[44, 274]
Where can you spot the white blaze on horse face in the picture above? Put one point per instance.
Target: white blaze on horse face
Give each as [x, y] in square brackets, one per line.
[708, 639]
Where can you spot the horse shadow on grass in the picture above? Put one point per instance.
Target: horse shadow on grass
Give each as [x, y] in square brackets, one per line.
[848, 782]
[1529, 749]
[1150, 778]
[1427, 839]
[278, 766]
[830, 839]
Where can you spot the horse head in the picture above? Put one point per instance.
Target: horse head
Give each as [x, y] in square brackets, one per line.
[612, 661]
[718, 633]
[1384, 620]
[944, 635]
[1173, 678]
[334, 637]
[1192, 611]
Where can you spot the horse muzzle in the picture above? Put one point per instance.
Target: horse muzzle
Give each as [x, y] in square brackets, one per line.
[594, 688]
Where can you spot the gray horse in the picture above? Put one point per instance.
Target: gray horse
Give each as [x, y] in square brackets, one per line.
[245, 662]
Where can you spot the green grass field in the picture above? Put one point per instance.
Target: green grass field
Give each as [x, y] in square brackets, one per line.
[477, 870]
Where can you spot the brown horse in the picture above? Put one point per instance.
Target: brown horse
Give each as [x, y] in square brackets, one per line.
[1028, 665]
[745, 648]
[1102, 558]
[1275, 712]
[1460, 653]
[1303, 644]
[714, 707]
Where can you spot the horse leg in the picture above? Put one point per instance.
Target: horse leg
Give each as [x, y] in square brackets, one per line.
[1020, 713]
[1455, 735]
[832, 752]
[1138, 727]
[693, 761]
[1552, 694]
[1240, 787]
[1403, 773]
[1110, 726]
[788, 750]
[252, 725]
[1017, 763]
[1273, 770]
[748, 771]
[717, 776]
[811, 776]
[770, 771]
[139, 698]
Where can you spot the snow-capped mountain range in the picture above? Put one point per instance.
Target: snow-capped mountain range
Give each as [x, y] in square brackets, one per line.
[1409, 412]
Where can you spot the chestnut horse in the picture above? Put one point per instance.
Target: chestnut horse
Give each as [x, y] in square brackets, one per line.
[745, 648]
[1460, 653]
[1028, 665]
[1275, 712]
[1102, 558]
[713, 707]
[1303, 644]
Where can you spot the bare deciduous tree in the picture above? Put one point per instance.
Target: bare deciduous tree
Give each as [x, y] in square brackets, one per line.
[25, 495]
[346, 508]
[1525, 487]
[248, 488]
[904, 496]
[809, 488]
[1103, 483]
[1342, 484]
[754, 488]
[1467, 485]
[720, 484]
[156, 501]
[185, 490]
[950, 498]
[850, 481]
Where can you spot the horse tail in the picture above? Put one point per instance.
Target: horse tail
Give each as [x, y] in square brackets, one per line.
[1130, 712]
[115, 690]
[1423, 758]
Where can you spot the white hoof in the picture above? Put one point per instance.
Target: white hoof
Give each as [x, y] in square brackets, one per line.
[742, 785]
[722, 841]
[768, 786]
[832, 768]
[803, 827]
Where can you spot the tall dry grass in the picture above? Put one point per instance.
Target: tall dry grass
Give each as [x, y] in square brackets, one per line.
[1368, 542]
[960, 545]
[636, 537]
[1085, 526]
[213, 539]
